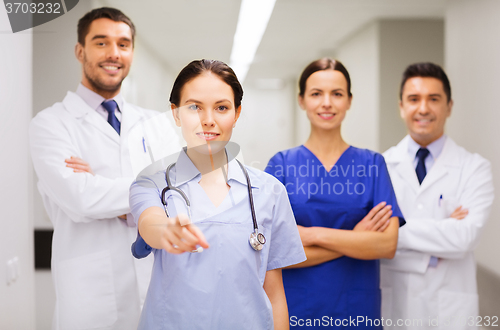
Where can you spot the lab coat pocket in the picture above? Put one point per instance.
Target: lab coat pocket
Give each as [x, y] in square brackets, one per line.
[86, 292]
[457, 310]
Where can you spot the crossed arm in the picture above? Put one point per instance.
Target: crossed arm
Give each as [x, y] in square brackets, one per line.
[374, 237]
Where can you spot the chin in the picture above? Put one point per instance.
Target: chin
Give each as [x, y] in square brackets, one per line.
[204, 149]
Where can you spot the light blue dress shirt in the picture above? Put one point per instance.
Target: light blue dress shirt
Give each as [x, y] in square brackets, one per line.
[434, 148]
[221, 287]
[95, 100]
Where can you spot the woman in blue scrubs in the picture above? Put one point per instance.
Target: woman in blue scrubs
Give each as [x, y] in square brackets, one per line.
[228, 285]
[345, 209]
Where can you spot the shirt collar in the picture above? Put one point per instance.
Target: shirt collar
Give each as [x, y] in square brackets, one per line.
[94, 100]
[434, 148]
[186, 171]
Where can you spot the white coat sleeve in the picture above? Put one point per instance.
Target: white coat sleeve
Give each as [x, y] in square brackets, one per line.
[82, 196]
[451, 238]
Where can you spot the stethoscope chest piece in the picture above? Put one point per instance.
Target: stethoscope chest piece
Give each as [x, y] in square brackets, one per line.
[257, 241]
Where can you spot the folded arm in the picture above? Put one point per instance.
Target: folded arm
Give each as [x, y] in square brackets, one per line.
[451, 238]
[83, 196]
[366, 245]
[378, 239]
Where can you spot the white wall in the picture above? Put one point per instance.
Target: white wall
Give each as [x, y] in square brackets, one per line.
[472, 55]
[376, 56]
[360, 55]
[264, 127]
[403, 42]
[16, 237]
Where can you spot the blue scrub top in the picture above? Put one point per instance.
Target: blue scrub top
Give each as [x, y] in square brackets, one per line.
[221, 287]
[344, 287]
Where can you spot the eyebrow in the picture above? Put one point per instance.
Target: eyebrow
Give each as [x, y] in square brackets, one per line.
[196, 101]
[335, 90]
[432, 95]
[99, 36]
[102, 36]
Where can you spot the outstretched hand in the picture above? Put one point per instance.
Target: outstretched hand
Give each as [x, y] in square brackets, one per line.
[377, 219]
[180, 235]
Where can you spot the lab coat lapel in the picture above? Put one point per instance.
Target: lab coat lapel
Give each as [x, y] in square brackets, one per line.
[441, 166]
[131, 116]
[403, 164]
[77, 107]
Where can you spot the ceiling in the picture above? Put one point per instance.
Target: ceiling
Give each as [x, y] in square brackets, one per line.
[298, 32]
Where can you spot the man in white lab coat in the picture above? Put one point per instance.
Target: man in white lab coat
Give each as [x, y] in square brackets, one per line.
[85, 152]
[445, 194]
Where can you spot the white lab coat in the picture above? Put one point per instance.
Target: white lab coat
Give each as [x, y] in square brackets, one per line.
[98, 284]
[446, 294]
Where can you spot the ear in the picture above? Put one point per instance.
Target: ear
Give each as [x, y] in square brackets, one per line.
[237, 115]
[300, 98]
[79, 52]
[350, 101]
[175, 114]
[401, 110]
[450, 106]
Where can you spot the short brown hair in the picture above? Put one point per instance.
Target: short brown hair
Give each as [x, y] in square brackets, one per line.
[103, 12]
[324, 63]
[426, 70]
[196, 68]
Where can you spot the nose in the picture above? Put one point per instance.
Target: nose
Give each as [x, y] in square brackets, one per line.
[327, 103]
[423, 107]
[113, 52]
[207, 118]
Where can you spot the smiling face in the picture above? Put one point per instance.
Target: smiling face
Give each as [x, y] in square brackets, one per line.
[424, 107]
[106, 56]
[326, 99]
[206, 113]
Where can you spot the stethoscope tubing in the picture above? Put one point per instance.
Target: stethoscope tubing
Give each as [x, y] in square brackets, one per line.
[188, 203]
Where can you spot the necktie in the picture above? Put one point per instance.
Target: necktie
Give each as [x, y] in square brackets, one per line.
[111, 107]
[422, 153]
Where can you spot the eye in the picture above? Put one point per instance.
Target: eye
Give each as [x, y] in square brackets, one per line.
[315, 94]
[222, 108]
[193, 107]
[338, 94]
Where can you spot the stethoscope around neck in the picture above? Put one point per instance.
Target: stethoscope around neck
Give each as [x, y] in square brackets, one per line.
[256, 240]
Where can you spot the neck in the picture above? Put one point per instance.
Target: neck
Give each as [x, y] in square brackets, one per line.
[425, 142]
[205, 163]
[326, 142]
[107, 94]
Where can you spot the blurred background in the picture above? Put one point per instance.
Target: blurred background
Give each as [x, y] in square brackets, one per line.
[375, 39]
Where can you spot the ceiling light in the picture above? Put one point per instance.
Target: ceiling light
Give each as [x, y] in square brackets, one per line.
[252, 22]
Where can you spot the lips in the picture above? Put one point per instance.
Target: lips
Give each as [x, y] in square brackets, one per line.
[111, 67]
[423, 121]
[326, 115]
[207, 136]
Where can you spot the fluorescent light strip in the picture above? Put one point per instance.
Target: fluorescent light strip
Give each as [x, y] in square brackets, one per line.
[252, 22]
